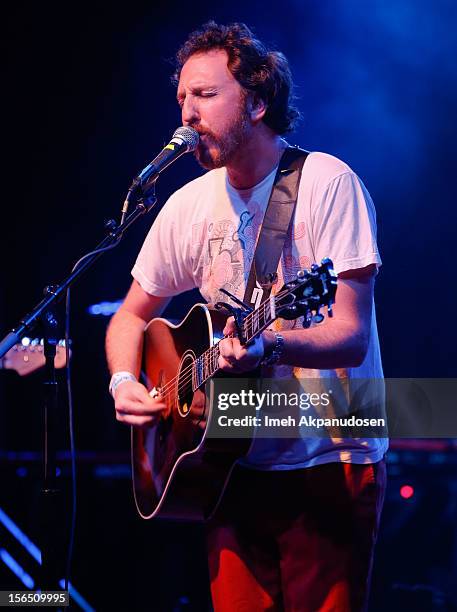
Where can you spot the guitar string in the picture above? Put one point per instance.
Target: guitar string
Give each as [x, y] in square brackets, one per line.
[188, 373]
[209, 355]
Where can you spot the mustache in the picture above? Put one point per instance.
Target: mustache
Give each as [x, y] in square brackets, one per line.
[201, 131]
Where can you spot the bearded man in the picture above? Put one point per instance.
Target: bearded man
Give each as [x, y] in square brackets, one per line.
[298, 523]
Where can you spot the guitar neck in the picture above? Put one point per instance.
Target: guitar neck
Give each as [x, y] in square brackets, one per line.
[254, 323]
[300, 297]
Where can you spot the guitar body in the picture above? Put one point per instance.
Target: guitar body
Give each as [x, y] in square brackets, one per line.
[178, 472]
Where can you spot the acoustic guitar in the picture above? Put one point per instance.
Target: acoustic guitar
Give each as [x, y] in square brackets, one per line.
[178, 471]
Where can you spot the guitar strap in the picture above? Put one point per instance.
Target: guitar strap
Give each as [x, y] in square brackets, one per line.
[275, 226]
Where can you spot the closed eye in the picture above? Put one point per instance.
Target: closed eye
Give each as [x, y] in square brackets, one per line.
[198, 93]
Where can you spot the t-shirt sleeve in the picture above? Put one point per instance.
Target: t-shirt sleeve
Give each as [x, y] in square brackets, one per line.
[344, 225]
[163, 267]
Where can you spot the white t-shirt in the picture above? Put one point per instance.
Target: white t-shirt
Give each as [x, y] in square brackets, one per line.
[205, 237]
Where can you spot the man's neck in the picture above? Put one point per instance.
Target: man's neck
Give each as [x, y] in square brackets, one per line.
[255, 161]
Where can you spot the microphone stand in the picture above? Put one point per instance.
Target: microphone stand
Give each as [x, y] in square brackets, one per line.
[44, 314]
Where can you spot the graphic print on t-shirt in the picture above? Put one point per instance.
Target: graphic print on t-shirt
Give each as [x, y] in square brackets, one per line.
[229, 253]
[245, 221]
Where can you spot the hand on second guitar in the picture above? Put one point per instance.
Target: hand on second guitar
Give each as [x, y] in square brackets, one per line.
[235, 357]
[134, 405]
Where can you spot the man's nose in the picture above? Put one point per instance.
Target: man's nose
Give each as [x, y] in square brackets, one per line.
[189, 112]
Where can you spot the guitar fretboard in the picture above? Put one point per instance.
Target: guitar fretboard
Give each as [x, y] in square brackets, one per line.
[206, 365]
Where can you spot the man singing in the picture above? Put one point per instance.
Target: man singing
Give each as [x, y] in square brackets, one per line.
[297, 526]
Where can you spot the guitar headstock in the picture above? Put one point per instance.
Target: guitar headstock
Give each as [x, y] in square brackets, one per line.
[28, 356]
[308, 293]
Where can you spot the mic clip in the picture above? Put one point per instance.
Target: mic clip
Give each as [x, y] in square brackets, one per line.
[148, 198]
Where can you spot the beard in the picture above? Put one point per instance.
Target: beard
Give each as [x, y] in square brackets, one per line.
[218, 150]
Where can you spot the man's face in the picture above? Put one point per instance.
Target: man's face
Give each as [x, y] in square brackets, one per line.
[214, 103]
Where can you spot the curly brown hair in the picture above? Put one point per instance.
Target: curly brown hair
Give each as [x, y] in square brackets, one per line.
[257, 69]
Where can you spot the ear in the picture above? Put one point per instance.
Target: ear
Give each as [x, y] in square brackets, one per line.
[257, 108]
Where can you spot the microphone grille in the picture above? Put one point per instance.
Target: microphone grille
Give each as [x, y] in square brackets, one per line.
[189, 136]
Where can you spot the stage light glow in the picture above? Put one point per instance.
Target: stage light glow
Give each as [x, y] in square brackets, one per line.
[406, 491]
[16, 569]
[105, 309]
[79, 599]
[36, 554]
[20, 536]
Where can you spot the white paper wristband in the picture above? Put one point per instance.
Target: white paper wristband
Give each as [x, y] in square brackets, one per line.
[118, 378]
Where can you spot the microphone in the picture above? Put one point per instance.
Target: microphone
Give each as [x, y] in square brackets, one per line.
[185, 139]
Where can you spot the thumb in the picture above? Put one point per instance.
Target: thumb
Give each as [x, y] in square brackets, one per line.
[230, 327]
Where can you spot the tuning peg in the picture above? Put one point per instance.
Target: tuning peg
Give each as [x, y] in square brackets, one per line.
[318, 317]
[302, 275]
[307, 320]
[327, 263]
[324, 287]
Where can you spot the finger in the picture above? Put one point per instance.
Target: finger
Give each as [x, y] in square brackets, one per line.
[253, 351]
[130, 407]
[198, 411]
[142, 393]
[239, 350]
[224, 365]
[226, 349]
[137, 421]
[228, 366]
[132, 390]
[230, 327]
[136, 393]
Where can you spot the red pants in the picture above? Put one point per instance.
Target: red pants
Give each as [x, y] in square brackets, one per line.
[300, 541]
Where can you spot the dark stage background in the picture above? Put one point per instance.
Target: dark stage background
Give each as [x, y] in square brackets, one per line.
[87, 103]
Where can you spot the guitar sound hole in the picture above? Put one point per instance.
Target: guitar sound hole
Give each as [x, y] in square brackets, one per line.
[185, 392]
